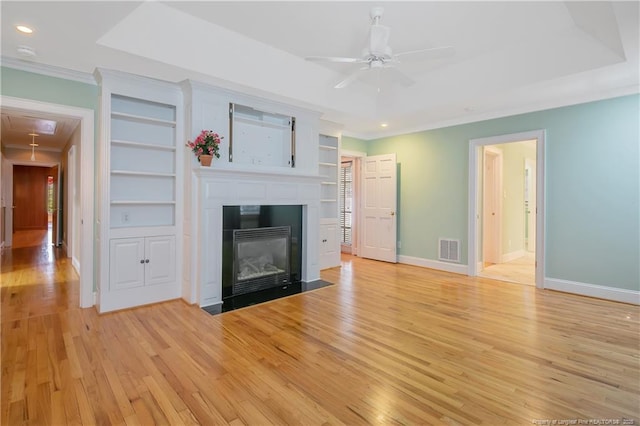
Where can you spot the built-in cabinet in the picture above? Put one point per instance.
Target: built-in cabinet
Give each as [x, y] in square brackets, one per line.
[159, 212]
[329, 168]
[139, 262]
[141, 170]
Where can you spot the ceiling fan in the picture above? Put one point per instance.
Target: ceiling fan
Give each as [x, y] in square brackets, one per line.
[377, 55]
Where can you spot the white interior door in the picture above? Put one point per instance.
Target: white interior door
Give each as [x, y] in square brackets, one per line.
[492, 206]
[378, 211]
[530, 203]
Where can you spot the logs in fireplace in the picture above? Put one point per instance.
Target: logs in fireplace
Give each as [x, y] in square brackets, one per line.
[260, 258]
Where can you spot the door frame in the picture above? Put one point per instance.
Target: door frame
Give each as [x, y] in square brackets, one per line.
[475, 179]
[86, 220]
[72, 213]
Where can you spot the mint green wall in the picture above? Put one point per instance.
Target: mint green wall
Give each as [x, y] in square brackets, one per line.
[22, 84]
[592, 183]
[353, 144]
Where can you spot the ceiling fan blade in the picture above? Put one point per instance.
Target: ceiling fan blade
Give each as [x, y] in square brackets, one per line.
[399, 76]
[332, 59]
[350, 79]
[426, 54]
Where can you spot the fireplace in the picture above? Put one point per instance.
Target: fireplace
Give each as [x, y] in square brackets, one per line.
[261, 248]
[260, 258]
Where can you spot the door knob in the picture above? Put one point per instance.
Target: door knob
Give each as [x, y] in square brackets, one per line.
[393, 213]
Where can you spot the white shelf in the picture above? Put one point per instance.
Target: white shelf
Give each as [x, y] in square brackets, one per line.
[328, 183]
[141, 173]
[328, 147]
[142, 145]
[146, 203]
[142, 119]
[328, 200]
[329, 164]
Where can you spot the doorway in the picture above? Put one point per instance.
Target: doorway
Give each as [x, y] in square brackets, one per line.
[86, 176]
[506, 192]
[349, 194]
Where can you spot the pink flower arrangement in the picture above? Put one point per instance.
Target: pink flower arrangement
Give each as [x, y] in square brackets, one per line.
[207, 143]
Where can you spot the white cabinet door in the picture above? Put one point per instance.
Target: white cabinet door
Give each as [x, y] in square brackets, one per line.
[160, 260]
[126, 266]
[329, 246]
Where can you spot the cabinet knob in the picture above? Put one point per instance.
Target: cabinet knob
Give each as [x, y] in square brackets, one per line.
[146, 261]
[141, 260]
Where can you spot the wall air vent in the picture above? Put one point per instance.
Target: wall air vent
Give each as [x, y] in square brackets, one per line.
[449, 250]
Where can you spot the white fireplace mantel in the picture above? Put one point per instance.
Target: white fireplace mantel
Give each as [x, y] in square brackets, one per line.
[215, 187]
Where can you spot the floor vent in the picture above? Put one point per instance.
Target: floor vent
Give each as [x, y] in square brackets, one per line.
[449, 250]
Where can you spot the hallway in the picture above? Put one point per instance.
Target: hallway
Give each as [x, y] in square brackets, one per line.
[29, 292]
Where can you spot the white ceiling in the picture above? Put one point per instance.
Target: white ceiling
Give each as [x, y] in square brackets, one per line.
[510, 57]
[53, 132]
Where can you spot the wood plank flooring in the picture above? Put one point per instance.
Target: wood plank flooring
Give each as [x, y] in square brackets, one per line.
[521, 270]
[387, 344]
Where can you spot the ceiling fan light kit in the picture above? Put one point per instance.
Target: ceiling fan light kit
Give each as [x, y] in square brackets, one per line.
[33, 145]
[378, 54]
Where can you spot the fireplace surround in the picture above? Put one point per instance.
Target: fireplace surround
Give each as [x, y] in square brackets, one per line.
[220, 187]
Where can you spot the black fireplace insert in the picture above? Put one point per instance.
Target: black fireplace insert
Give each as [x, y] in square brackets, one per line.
[261, 249]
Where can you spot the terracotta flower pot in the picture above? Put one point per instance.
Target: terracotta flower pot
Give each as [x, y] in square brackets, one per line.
[205, 160]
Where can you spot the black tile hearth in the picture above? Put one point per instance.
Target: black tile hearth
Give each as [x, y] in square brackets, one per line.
[245, 300]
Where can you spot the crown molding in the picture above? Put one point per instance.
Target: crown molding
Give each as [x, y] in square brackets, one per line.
[48, 70]
[531, 107]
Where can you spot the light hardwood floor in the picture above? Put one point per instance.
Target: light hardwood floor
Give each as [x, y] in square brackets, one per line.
[521, 270]
[387, 344]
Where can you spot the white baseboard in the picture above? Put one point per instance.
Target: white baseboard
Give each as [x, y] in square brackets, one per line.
[76, 264]
[512, 256]
[593, 290]
[434, 264]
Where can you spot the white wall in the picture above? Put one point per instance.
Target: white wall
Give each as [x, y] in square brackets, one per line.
[70, 195]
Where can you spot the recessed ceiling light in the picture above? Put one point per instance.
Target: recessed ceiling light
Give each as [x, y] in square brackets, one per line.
[26, 52]
[383, 124]
[24, 29]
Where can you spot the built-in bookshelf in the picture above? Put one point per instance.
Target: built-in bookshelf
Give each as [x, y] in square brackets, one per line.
[329, 168]
[142, 163]
[329, 162]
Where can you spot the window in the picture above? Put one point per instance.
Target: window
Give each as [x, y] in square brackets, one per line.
[346, 201]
